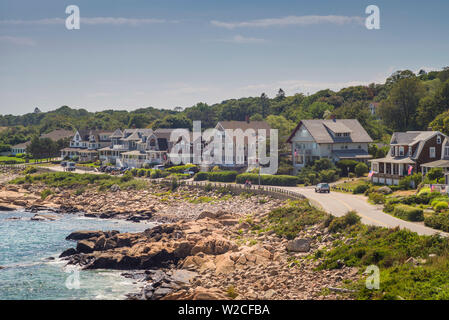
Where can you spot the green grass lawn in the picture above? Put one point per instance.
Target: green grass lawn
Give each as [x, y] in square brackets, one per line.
[350, 185]
[4, 159]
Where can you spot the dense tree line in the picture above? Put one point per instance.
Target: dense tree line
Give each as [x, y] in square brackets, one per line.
[407, 101]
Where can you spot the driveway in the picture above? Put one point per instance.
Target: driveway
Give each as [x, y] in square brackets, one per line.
[337, 204]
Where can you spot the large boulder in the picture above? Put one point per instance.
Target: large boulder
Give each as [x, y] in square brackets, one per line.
[299, 245]
[224, 264]
[68, 252]
[86, 234]
[213, 245]
[183, 249]
[385, 190]
[85, 246]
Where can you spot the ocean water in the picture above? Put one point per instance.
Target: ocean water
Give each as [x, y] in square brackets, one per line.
[29, 274]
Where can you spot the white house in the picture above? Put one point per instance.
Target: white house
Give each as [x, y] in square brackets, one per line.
[335, 139]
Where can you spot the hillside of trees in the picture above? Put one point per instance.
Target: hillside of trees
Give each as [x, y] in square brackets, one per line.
[407, 101]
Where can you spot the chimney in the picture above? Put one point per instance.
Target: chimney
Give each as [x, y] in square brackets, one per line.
[334, 119]
[247, 119]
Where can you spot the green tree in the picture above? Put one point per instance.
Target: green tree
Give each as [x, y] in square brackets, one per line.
[399, 110]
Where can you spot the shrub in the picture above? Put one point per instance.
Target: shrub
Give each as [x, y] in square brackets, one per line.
[441, 206]
[376, 197]
[389, 206]
[408, 213]
[222, 176]
[182, 168]
[45, 193]
[352, 175]
[438, 221]
[289, 220]
[156, 173]
[127, 176]
[345, 164]
[410, 181]
[361, 188]
[181, 176]
[266, 179]
[328, 175]
[435, 174]
[30, 170]
[341, 223]
[201, 176]
[360, 169]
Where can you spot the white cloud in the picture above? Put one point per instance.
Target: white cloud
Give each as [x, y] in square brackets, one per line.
[242, 39]
[84, 20]
[20, 41]
[290, 20]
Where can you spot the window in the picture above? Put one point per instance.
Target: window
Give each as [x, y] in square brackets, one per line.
[432, 152]
[392, 151]
[409, 151]
[446, 151]
[439, 139]
[401, 151]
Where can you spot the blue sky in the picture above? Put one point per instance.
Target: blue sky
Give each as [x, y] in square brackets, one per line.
[176, 53]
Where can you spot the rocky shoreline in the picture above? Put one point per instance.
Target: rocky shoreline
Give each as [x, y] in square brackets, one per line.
[202, 259]
[204, 247]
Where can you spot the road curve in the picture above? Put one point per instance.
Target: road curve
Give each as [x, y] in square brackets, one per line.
[338, 203]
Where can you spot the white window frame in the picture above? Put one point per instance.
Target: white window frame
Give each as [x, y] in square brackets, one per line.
[432, 152]
[438, 139]
[401, 151]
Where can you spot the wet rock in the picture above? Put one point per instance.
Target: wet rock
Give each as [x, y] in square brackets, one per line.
[161, 292]
[85, 246]
[87, 234]
[44, 217]
[68, 252]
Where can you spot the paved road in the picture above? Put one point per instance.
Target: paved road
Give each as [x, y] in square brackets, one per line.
[337, 204]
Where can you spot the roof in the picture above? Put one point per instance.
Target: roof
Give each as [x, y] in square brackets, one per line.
[352, 154]
[163, 133]
[320, 130]
[244, 125]
[337, 126]
[437, 164]
[389, 159]
[411, 137]
[21, 145]
[117, 134]
[58, 134]
[133, 153]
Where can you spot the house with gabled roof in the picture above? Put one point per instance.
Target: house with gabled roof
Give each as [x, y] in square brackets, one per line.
[335, 139]
[410, 152]
[85, 143]
[240, 158]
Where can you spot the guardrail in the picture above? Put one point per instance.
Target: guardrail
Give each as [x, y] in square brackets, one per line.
[240, 188]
